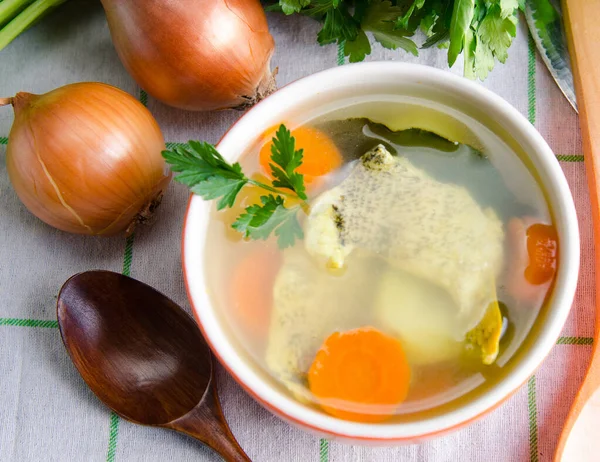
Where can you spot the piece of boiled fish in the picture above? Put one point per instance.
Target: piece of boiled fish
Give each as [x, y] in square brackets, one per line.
[309, 304]
[431, 230]
[443, 251]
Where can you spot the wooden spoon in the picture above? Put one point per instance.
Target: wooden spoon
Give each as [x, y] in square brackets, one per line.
[580, 441]
[144, 357]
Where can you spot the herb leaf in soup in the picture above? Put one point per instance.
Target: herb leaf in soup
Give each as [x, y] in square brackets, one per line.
[207, 174]
[286, 159]
[260, 221]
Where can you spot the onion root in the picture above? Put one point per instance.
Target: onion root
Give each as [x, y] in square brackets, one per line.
[267, 86]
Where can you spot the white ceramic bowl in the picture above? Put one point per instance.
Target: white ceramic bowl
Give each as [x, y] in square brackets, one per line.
[349, 85]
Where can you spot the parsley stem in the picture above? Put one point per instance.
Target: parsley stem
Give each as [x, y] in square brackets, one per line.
[274, 190]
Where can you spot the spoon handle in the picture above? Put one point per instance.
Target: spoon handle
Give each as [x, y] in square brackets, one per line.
[583, 34]
[207, 424]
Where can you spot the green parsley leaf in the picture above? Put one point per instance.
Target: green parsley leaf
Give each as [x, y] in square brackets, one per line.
[360, 9]
[462, 16]
[317, 9]
[428, 22]
[260, 221]
[469, 54]
[394, 40]
[481, 29]
[218, 187]
[508, 7]
[206, 172]
[339, 26]
[403, 21]
[442, 17]
[286, 159]
[497, 32]
[483, 59]
[357, 49]
[381, 15]
[380, 19]
[293, 6]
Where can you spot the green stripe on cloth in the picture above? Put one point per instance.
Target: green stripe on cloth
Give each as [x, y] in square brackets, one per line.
[575, 341]
[28, 323]
[340, 54]
[114, 418]
[174, 144]
[3, 140]
[113, 437]
[531, 81]
[143, 97]
[533, 427]
[127, 258]
[531, 392]
[323, 450]
[569, 158]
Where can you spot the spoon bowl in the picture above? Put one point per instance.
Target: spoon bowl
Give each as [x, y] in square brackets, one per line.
[143, 356]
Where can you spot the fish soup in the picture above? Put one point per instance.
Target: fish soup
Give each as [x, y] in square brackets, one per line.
[425, 257]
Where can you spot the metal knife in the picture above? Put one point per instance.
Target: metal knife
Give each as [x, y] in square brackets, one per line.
[545, 21]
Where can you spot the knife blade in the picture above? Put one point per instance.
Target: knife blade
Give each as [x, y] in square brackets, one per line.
[544, 19]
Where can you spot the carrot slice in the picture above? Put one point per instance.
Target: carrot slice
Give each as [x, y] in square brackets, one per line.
[360, 375]
[542, 248]
[252, 290]
[533, 258]
[320, 154]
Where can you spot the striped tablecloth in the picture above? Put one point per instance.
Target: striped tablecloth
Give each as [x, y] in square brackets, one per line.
[46, 411]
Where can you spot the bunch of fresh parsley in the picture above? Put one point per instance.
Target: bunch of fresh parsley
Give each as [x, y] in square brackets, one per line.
[481, 29]
[208, 174]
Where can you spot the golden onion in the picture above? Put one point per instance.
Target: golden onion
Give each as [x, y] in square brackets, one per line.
[86, 158]
[195, 55]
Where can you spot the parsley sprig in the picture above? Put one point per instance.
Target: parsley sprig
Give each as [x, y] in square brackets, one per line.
[200, 167]
[482, 30]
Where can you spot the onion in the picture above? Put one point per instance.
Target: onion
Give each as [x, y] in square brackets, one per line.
[86, 158]
[198, 55]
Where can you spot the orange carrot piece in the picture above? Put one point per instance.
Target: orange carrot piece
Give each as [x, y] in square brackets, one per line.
[542, 248]
[320, 154]
[252, 290]
[360, 375]
[532, 259]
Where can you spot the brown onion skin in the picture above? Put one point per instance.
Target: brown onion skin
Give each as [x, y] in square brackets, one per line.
[85, 158]
[170, 48]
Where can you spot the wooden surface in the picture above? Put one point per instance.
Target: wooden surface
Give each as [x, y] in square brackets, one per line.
[143, 356]
[583, 33]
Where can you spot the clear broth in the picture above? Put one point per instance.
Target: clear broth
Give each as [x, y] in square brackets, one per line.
[493, 174]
